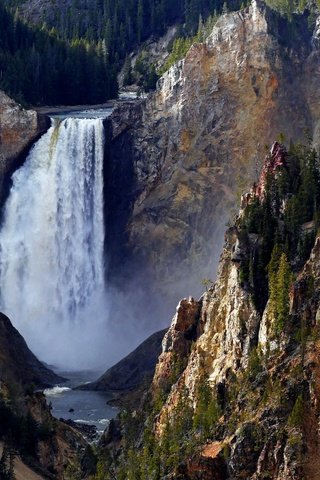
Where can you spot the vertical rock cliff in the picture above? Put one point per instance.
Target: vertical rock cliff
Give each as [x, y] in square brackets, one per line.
[187, 152]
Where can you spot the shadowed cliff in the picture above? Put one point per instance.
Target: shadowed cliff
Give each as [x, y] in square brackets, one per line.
[17, 363]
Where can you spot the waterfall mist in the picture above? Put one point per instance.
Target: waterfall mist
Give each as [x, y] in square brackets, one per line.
[52, 275]
[51, 246]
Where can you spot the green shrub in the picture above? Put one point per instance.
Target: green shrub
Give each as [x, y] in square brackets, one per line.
[296, 416]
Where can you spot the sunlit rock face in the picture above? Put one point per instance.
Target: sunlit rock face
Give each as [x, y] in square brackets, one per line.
[194, 144]
[224, 350]
[266, 435]
[18, 128]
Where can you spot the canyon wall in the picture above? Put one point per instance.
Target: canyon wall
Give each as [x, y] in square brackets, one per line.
[268, 428]
[236, 388]
[181, 158]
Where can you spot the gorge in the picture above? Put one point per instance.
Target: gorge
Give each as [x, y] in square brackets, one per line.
[109, 221]
[176, 163]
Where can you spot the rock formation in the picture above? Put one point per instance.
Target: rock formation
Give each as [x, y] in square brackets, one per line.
[29, 435]
[178, 161]
[18, 129]
[235, 392]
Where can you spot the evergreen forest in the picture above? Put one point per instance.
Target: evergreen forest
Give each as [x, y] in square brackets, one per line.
[71, 52]
[39, 67]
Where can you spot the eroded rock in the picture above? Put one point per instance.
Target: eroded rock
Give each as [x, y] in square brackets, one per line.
[18, 129]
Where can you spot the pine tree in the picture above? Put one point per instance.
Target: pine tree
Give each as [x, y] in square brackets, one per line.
[207, 410]
[127, 72]
[283, 282]
[272, 275]
[140, 21]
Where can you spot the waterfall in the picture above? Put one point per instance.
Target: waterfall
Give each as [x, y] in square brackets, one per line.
[51, 245]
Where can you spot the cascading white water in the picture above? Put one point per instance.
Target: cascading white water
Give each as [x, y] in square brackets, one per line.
[51, 245]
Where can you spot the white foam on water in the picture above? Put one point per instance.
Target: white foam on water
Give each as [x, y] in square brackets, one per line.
[53, 392]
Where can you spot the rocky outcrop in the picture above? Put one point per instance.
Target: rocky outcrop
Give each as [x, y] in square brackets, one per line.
[177, 343]
[17, 363]
[18, 129]
[208, 465]
[192, 146]
[275, 162]
[62, 446]
[230, 324]
[35, 444]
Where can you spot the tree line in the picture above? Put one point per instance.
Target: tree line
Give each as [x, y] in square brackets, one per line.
[286, 221]
[38, 67]
[72, 52]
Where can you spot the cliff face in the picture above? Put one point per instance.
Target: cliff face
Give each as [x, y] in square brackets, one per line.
[18, 129]
[266, 433]
[193, 145]
[264, 380]
[235, 392]
[34, 444]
